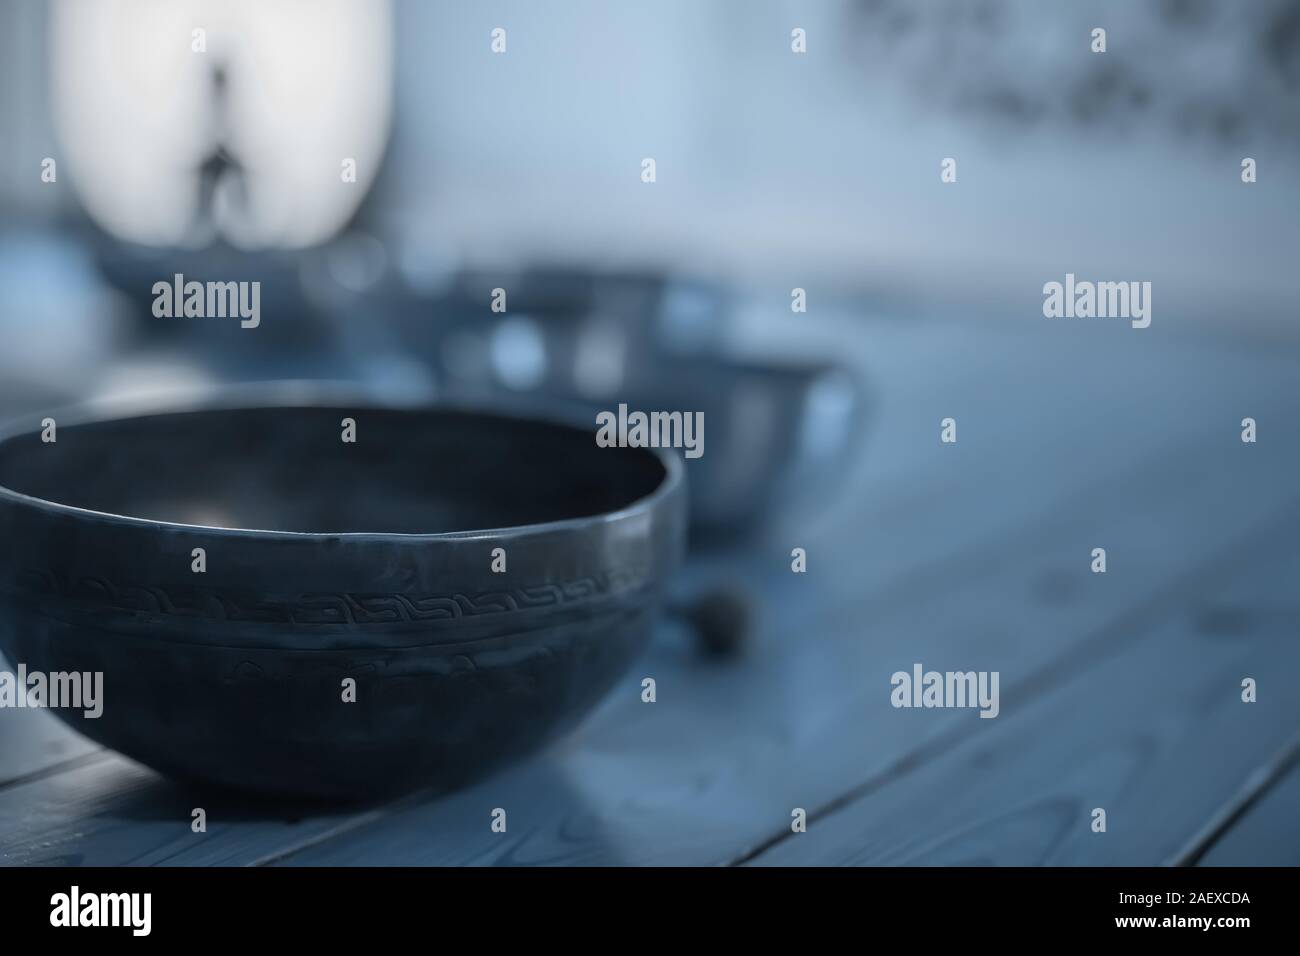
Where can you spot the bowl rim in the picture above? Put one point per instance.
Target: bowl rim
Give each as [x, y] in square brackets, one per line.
[359, 402]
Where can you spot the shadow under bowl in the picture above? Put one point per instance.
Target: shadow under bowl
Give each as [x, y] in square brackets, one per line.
[349, 632]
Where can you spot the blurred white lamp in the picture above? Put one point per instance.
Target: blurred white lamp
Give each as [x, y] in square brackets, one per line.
[293, 93]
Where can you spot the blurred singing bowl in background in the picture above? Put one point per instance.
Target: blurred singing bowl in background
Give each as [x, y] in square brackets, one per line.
[329, 561]
[778, 434]
[778, 437]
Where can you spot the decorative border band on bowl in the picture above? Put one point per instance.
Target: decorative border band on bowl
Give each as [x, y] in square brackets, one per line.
[323, 609]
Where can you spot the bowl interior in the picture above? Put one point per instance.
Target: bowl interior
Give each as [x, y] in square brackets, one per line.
[288, 469]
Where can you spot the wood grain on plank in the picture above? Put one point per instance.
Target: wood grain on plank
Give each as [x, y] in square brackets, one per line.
[114, 812]
[1156, 734]
[1267, 833]
[35, 742]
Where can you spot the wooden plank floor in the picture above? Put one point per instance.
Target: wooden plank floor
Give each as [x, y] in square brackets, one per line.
[1267, 832]
[1152, 729]
[1117, 690]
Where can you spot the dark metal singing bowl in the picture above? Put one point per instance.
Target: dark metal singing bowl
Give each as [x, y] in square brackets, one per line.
[372, 562]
